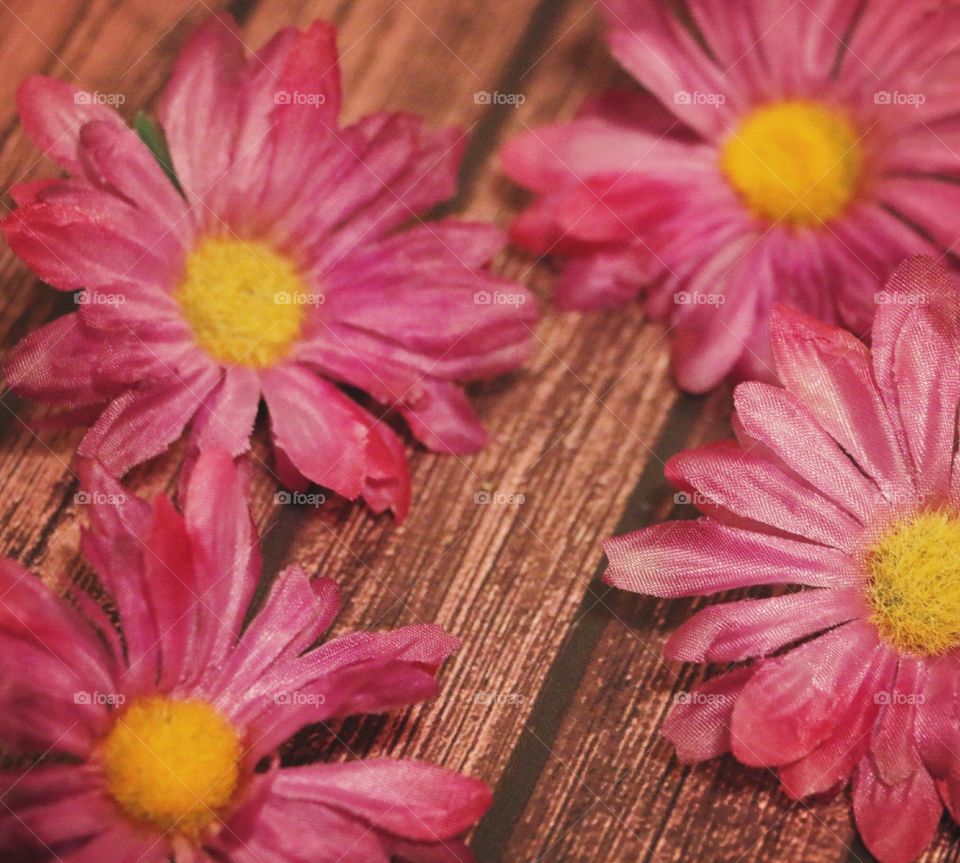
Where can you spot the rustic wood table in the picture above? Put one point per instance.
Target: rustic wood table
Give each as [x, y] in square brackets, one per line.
[557, 695]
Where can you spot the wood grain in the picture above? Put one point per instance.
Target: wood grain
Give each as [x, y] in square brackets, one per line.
[556, 697]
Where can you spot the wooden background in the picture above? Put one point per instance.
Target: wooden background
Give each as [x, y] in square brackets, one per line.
[556, 697]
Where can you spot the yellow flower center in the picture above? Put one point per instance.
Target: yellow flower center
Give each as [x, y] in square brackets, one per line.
[797, 162]
[915, 584]
[243, 301]
[172, 764]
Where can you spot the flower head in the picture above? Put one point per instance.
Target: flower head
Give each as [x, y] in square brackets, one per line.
[154, 720]
[283, 266]
[842, 497]
[785, 153]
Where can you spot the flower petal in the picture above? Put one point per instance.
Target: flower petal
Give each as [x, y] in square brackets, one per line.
[406, 798]
[897, 822]
[735, 631]
[695, 558]
[140, 424]
[752, 487]
[790, 705]
[699, 724]
[53, 112]
[830, 371]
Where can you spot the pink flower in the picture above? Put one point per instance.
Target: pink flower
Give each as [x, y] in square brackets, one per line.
[164, 740]
[284, 269]
[787, 152]
[845, 485]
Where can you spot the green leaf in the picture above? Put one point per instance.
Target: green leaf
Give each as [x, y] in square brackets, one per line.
[152, 135]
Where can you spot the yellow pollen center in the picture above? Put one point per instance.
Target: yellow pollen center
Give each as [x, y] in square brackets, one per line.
[243, 301]
[915, 584]
[172, 764]
[797, 162]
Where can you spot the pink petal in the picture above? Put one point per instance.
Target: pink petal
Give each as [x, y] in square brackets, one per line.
[311, 67]
[699, 724]
[50, 658]
[830, 371]
[57, 364]
[389, 170]
[603, 280]
[897, 822]
[296, 614]
[757, 627]
[785, 425]
[199, 111]
[695, 558]
[713, 328]
[116, 158]
[169, 584]
[830, 765]
[790, 705]
[53, 113]
[330, 439]
[359, 673]
[226, 553]
[292, 831]
[752, 487]
[121, 843]
[226, 419]
[439, 414]
[103, 243]
[142, 423]
[915, 335]
[938, 719]
[406, 798]
[660, 52]
[114, 545]
[895, 757]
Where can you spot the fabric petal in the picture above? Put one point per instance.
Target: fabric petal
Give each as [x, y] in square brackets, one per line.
[735, 631]
[693, 558]
[699, 724]
[410, 799]
[789, 706]
[897, 822]
[53, 112]
[830, 371]
[141, 424]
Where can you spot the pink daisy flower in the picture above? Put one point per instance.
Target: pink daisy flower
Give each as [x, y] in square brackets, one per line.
[845, 485]
[284, 269]
[785, 152]
[163, 742]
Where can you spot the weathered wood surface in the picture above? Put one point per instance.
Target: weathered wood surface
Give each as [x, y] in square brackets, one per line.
[557, 694]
